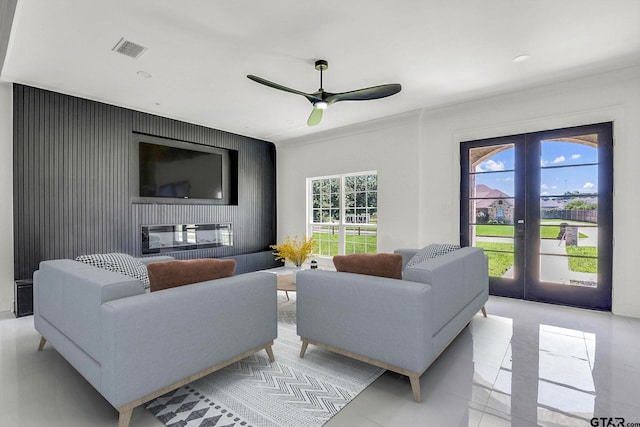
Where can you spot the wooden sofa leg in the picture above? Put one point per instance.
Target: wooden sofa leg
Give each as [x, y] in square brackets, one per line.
[304, 347]
[43, 341]
[269, 351]
[484, 311]
[415, 386]
[125, 415]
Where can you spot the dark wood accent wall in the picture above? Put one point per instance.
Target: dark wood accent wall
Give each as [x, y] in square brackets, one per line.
[72, 189]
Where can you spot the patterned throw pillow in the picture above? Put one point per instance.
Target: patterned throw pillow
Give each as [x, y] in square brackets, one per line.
[120, 263]
[432, 251]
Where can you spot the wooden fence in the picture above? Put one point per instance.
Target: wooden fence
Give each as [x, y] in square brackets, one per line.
[571, 214]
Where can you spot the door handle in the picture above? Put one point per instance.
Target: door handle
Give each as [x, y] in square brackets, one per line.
[520, 228]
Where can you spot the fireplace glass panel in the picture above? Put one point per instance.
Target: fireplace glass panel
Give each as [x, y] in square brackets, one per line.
[179, 237]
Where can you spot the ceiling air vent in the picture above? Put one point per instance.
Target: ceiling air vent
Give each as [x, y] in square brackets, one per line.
[128, 48]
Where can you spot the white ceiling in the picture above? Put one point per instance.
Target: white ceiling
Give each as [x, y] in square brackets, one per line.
[199, 52]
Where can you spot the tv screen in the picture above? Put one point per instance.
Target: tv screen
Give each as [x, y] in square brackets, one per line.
[173, 172]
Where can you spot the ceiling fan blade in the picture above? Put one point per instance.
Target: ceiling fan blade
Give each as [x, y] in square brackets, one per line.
[315, 117]
[262, 81]
[374, 92]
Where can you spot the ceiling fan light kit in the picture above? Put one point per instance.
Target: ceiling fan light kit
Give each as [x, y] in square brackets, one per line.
[322, 99]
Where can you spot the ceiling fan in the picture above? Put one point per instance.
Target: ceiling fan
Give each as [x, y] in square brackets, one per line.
[322, 99]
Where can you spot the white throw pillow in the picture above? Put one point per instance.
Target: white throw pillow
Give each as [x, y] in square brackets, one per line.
[120, 263]
[432, 251]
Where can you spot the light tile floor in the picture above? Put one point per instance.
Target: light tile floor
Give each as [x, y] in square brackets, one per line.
[527, 364]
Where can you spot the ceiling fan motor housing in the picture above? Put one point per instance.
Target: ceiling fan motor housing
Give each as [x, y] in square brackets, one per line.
[321, 65]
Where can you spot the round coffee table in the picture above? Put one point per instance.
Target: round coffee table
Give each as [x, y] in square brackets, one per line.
[285, 283]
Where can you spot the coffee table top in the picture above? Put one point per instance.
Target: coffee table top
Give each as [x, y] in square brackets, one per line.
[285, 283]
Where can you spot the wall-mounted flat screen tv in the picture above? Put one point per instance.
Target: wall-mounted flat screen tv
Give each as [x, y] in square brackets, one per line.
[173, 172]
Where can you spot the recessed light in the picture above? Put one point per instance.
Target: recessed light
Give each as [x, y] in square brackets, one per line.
[144, 74]
[521, 58]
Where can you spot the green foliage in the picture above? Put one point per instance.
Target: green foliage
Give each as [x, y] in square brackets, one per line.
[580, 204]
[360, 193]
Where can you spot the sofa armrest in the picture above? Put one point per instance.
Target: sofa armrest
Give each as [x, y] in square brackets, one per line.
[456, 279]
[388, 320]
[68, 295]
[154, 340]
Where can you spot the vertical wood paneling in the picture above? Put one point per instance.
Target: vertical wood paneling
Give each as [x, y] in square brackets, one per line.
[72, 182]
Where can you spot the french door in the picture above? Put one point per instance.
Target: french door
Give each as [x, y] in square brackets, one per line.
[540, 205]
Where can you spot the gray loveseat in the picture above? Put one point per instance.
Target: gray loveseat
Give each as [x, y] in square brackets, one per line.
[399, 325]
[134, 346]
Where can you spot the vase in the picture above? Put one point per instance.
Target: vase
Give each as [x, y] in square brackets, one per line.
[296, 269]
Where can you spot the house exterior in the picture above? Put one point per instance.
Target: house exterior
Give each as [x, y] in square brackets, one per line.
[493, 206]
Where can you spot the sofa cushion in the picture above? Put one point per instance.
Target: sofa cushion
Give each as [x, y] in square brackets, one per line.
[432, 251]
[120, 263]
[169, 274]
[383, 265]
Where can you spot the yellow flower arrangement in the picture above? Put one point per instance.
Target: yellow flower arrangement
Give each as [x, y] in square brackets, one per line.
[293, 250]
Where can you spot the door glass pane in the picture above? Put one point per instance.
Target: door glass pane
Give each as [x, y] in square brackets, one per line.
[569, 211]
[492, 204]
[500, 254]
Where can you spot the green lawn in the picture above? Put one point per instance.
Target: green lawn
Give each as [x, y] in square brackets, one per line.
[492, 230]
[327, 244]
[499, 262]
[583, 265]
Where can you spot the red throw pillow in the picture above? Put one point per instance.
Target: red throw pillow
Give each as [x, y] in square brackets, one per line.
[169, 274]
[383, 265]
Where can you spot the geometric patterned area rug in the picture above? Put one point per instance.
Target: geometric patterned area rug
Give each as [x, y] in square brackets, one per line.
[256, 393]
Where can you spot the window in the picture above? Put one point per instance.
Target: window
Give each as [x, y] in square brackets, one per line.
[343, 213]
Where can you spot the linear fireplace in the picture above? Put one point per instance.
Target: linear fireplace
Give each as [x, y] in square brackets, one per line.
[182, 237]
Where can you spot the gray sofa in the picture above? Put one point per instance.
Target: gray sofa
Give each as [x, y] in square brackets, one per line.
[399, 325]
[134, 346]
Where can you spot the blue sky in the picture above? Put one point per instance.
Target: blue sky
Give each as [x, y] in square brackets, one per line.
[554, 181]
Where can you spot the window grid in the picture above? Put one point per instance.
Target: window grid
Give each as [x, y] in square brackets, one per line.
[343, 213]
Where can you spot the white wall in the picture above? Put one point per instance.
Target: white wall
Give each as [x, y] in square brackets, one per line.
[425, 147]
[381, 146]
[6, 195]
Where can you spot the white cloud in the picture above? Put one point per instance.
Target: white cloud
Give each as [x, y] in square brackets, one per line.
[553, 187]
[544, 193]
[544, 187]
[559, 159]
[507, 179]
[588, 185]
[544, 163]
[576, 156]
[490, 165]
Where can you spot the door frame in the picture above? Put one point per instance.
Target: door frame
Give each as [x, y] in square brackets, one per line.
[499, 286]
[525, 283]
